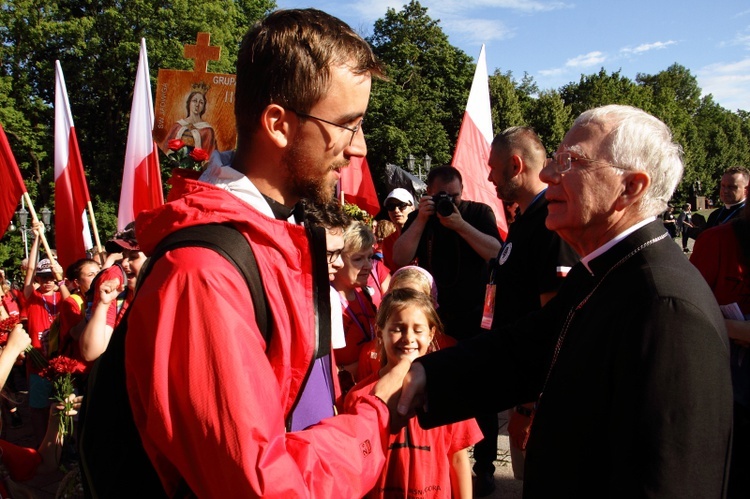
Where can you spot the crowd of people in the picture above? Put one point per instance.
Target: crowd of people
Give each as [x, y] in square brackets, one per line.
[380, 355]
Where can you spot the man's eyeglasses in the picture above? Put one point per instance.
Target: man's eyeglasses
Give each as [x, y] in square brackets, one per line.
[394, 207]
[563, 162]
[333, 255]
[354, 129]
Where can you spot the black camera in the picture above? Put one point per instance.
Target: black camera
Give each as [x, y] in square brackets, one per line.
[443, 203]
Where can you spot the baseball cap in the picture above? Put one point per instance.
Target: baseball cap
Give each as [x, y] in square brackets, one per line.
[123, 240]
[400, 194]
[44, 267]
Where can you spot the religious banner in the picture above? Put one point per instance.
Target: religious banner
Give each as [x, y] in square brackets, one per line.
[195, 107]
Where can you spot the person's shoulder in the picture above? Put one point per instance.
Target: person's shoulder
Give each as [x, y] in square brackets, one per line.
[360, 389]
[715, 237]
[475, 205]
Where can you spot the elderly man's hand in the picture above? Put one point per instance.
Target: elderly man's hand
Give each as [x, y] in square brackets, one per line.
[414, 391]
[388, 388]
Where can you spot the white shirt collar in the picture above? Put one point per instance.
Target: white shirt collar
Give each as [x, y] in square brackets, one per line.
[219, 173]
[730, 206]
[608, 245]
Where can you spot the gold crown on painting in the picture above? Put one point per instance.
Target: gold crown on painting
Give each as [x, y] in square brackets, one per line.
[200, 87]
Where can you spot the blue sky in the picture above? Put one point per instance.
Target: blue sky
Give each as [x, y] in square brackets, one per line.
[557, 41]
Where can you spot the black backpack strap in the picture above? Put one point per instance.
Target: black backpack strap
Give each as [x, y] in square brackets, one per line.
[232, 245]
[321, 290]
[106, 414]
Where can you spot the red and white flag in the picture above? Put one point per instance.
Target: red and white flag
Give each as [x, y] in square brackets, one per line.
[357, 185]
[141, 176]
[72, 234]
[473, 146]
[11, 183]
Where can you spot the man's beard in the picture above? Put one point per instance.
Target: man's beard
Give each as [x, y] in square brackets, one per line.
[508, 192]
[307, 179]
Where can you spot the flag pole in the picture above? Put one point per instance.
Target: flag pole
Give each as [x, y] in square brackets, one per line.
[47, 249]
[95, 230]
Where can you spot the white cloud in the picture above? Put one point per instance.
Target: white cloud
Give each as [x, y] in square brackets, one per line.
[742, 39]
[552, 72]
[728, 83]
[586, 60]
[645, 47]
[478, 31]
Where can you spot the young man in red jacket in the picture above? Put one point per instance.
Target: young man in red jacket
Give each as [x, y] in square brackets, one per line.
[213, 400]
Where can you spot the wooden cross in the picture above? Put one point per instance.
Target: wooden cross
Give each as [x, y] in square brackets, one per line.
[201, 52]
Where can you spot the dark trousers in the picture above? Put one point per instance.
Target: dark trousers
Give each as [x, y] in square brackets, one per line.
[485, 451]
[739, 474]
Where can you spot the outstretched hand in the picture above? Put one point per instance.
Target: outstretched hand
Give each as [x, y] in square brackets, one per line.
[414, 391]
[388, 388]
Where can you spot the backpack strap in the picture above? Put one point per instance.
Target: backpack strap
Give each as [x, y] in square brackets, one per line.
[107, 399]
[232, 245]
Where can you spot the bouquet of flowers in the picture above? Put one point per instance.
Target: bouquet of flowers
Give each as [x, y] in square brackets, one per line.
[184, 156]
[6, 326]
[61, 372]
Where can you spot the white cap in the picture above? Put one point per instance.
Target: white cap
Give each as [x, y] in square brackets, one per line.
[401, 194]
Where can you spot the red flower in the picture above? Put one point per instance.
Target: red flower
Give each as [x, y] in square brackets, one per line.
[175, 144]
[199, 154]
[9, 323]
[3, 339]
[60, 366]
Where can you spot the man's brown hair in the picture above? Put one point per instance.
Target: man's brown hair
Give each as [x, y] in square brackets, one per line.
[286, 59]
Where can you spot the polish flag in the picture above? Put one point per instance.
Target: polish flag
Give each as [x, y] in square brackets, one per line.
[356, 182]
[11, 183]
[473, 146]
[72, 235]
[141, 176]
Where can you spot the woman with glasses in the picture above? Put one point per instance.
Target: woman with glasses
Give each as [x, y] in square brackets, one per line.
[358, 311]
[399, 204]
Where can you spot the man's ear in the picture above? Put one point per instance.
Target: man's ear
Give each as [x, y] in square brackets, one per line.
[275, 123]
[517, 164]
[635, 186]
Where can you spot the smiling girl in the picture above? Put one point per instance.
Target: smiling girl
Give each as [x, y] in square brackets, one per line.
[419, 463]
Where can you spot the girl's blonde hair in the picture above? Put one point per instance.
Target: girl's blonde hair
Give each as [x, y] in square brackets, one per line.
[412, 275]
[399, 299]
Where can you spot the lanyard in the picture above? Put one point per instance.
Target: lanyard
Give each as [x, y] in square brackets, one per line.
[353, 316]
[53, 312]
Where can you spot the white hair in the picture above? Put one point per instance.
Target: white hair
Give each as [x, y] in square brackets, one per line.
[641, 142]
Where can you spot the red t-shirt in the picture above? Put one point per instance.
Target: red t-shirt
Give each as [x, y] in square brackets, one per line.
[41, 311]
[378, 275]
[11, 304]
[418, 461]
[21, 462]
[72, 312]
[387, 248]
[359, 328]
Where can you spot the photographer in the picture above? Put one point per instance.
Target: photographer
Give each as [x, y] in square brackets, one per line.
[452, 239]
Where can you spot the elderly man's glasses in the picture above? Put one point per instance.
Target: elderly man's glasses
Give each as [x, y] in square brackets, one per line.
[563, 162]
[333, 255]
[354, 129]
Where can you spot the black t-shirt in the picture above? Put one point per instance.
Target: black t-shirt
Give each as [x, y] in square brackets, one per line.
[533, 260]
[460, 273]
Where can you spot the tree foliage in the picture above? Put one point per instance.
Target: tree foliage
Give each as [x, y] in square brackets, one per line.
[419, 109]
[97, 44]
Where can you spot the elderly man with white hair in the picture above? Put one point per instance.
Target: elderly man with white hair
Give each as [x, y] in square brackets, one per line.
[629, 362]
